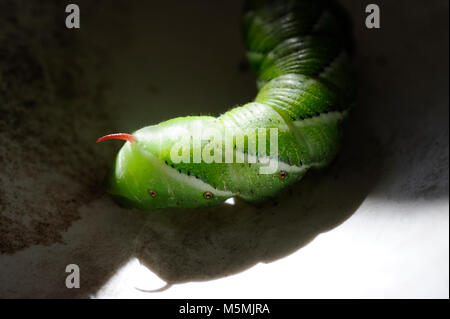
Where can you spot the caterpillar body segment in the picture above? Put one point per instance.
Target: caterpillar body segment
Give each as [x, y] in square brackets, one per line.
[301, 52]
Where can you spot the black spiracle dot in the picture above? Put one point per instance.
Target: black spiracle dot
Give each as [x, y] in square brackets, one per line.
[207, 195]
[152, 193]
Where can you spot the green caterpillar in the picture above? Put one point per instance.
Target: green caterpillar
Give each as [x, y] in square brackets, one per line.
[300, 51]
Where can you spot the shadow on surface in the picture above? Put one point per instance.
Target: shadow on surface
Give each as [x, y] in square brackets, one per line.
[203, 244]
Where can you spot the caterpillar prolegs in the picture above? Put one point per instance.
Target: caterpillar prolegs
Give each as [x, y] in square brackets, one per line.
[300, 51]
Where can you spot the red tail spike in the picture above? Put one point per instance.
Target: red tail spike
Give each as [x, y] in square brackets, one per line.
[118, 136]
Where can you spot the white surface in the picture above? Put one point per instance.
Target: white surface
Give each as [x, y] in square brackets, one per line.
[372, 255]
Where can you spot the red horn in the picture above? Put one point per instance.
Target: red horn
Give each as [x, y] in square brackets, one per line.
[118, 136]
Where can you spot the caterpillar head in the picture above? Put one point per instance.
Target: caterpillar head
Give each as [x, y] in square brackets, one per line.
[141, 178]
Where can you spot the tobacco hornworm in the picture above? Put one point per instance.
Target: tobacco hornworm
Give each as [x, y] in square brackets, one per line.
[300, 51]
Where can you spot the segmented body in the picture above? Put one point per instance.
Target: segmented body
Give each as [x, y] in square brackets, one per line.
[299, 50]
